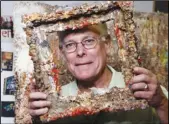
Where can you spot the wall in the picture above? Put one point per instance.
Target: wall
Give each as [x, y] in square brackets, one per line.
[7, 9]
[143, 6]
[6, 45]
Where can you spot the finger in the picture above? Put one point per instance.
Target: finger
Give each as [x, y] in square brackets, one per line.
[143, 94]
[140, 70]
[138, 86]
[140, 78]
[39, 104]
[37, 95]
[38, 112]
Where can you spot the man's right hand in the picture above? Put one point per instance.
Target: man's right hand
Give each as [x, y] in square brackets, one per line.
[38, 104]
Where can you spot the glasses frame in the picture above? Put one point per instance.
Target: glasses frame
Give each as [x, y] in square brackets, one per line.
[83, 44]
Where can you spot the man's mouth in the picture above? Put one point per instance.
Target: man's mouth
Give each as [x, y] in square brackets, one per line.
[84, 63]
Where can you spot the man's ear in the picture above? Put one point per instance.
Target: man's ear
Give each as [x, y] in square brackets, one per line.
[108, 44]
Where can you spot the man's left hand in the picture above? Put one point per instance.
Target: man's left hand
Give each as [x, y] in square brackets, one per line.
[145, 86]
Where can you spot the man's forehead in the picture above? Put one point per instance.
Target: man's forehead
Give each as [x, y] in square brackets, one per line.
[80, 35]
[100, 29]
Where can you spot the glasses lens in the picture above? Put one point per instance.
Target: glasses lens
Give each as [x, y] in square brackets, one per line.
[89, 43]
[70, 47]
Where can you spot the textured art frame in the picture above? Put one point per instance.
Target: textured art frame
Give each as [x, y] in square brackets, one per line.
[45, 69]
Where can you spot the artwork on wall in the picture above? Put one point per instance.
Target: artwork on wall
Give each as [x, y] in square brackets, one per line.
[7, 109]
[9, 85]
[6, 27]
[7, 61]
[161, 6]
[6, 22]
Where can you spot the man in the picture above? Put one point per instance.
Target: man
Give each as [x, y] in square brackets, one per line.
[85, 52]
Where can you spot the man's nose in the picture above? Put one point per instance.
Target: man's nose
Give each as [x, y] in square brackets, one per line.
[80, 50]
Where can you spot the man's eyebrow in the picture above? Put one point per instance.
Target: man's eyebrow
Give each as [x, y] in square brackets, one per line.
[85, 37]
[69, 41]
[89, 36]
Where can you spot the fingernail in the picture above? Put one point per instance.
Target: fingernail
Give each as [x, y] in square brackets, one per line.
[49, 103]
[136, 69]
[46, 109]
[45, 96]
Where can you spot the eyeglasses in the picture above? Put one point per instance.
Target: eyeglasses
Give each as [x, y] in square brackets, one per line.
[88, 43]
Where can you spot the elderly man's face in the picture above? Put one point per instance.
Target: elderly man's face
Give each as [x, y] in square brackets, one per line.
[85, 64]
